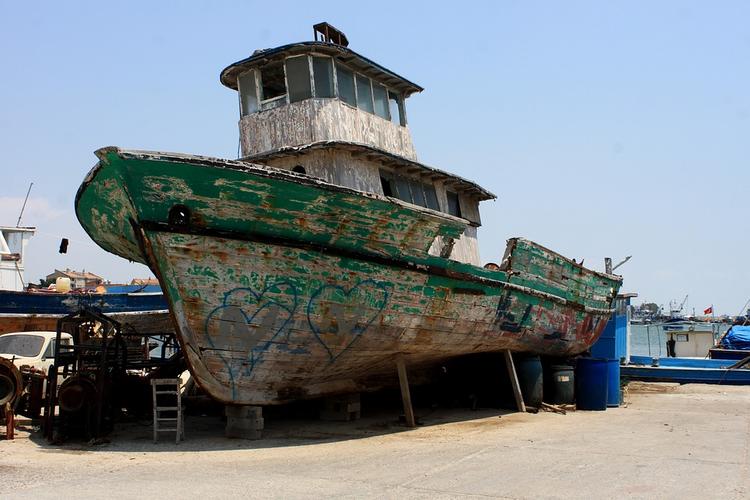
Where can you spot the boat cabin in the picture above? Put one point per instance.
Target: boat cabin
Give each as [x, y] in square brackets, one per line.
[320, 109]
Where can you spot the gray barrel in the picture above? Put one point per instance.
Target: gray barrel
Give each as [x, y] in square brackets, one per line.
[561, 381]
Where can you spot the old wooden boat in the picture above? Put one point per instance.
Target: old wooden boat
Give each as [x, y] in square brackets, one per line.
[305, 267]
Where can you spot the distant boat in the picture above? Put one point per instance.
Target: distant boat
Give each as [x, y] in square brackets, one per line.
[687, 370]
[35, 311]
[142, 308]
[734, 344]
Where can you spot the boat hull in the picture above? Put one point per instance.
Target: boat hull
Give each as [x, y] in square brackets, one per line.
[266, 316]
[264, 323]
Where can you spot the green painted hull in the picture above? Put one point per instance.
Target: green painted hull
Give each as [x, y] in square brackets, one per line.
[283, 287]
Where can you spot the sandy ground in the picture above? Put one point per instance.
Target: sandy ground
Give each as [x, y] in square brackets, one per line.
[688, 442]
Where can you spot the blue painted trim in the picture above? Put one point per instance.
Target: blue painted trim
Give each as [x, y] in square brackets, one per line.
[66, 303]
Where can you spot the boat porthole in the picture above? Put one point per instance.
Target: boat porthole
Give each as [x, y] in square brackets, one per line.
[299, 169]
[179, 215]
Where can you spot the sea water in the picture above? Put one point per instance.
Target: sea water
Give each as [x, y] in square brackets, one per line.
[649, 340]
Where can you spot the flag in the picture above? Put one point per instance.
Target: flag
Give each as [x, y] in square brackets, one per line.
[710, 310]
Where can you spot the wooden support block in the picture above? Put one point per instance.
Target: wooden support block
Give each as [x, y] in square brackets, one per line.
[244, 422]
[341, 408]
[514, 381]
[405, 394]
[243, 411]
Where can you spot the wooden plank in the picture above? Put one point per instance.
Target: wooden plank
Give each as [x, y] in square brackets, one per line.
[514, 381]
[10, 422]
[405, 394]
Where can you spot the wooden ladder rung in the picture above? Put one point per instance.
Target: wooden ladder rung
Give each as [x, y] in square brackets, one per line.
[159, 387]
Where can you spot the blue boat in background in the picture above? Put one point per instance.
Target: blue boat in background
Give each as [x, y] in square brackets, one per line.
[735, 344]
[130, 305]
[688, 370]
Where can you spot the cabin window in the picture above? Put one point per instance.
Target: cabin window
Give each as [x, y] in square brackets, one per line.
[386, 184]
[323, 74]
[364, 94]
[273, 87]
[430, 197]
[299, 169]
[396, 107]
[402, 189]
[409, 190]
[298, 78]
[682, 337]
[345, 80]
[454, 207]
[248, 92]
[380, 96]
[417, 194]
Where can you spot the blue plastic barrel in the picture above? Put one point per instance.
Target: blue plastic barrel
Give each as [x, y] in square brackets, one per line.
[613, 382]
[529, 370]
[591, 384]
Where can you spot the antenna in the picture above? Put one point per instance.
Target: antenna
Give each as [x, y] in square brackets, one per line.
[18, 222]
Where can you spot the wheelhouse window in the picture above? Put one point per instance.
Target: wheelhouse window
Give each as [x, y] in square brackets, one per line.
[301, 77]
[454, 207]
[364, 94]
[396, 107]
[323, 74]
[345, 80]
[380, 96]
[298, 78]
[273, 86]
[248, 92]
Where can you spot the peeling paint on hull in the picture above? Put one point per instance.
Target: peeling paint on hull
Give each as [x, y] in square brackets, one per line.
[266, 316]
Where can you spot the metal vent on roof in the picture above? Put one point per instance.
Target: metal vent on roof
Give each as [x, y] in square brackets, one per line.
[324, 32]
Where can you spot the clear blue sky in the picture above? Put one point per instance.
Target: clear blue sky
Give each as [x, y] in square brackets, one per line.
[606, 128]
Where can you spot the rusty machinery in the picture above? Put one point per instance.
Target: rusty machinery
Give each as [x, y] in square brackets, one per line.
[102, 372]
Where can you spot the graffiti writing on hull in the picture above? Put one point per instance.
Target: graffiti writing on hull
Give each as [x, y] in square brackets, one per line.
[505, 319]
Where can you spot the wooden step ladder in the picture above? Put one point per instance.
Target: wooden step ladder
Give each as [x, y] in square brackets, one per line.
[166, 387]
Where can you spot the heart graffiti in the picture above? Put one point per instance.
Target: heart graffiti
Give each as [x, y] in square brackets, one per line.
[248, 322]
[339, 316]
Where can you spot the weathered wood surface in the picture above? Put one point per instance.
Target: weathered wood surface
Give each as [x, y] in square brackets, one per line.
[237, 197]
[514, 383]
[284, 287]
[403, 380]
[263, 323]
[313, 120]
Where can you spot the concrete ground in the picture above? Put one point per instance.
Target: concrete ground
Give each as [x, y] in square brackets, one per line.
[680, 442]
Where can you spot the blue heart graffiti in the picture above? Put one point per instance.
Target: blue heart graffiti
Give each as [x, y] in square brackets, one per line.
[339, 323]
[236, 326]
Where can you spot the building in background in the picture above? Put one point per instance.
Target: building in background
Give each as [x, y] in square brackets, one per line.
[81, 279]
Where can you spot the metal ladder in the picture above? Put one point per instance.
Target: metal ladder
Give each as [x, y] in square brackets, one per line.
[168, 386]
